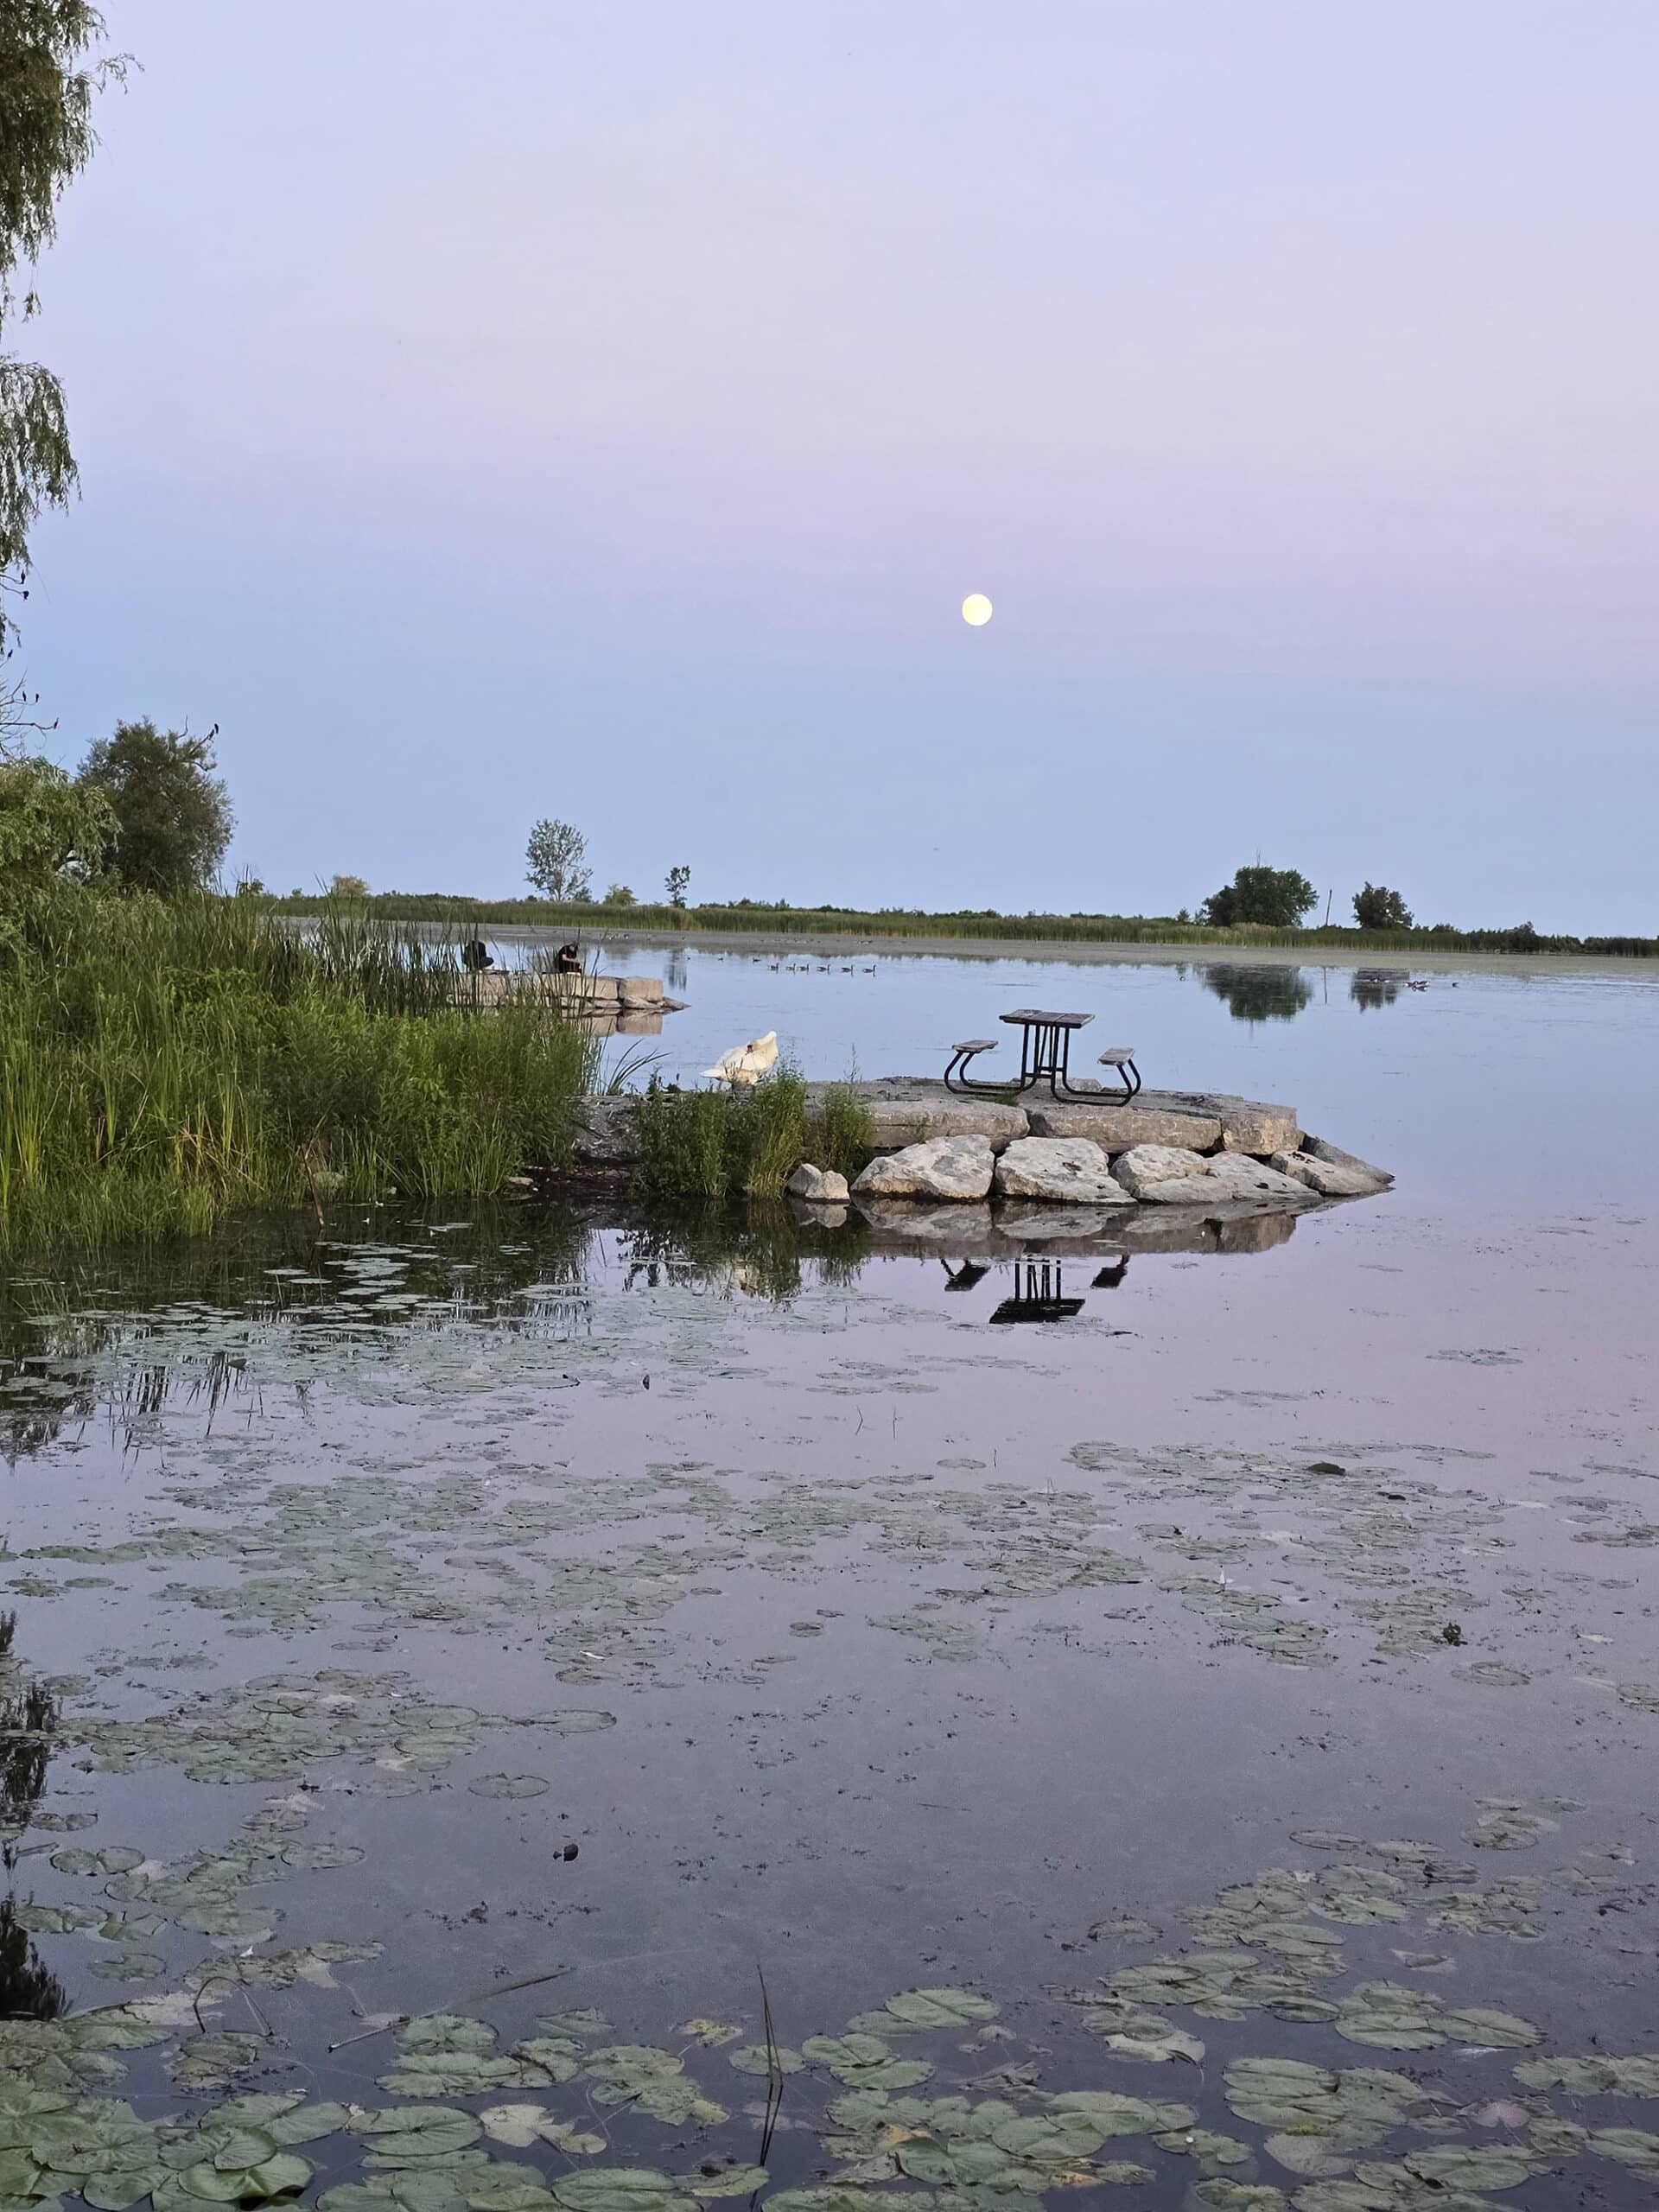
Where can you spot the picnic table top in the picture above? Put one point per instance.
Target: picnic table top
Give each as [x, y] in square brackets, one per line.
[1030, 1016]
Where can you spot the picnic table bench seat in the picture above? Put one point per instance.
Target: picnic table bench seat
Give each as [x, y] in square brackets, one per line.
[1121, 1056]
[962, 1053]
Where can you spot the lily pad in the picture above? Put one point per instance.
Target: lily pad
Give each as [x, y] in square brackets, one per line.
[616, 2189]
[914, 2010]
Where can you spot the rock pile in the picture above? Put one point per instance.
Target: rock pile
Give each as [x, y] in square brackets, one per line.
[1074, 1169]
[1229, 1156]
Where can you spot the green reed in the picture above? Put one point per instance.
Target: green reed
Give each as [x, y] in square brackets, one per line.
[748, 1140]
[161, 1064]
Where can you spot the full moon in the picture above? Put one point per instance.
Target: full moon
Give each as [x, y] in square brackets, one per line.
[976, 609]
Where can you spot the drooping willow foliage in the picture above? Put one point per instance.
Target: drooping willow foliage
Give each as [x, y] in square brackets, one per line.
[50, 73]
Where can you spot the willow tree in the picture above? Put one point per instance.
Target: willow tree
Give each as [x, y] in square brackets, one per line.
[49, 74]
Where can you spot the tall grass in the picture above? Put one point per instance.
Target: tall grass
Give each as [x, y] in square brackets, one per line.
[161, 1064]
[746, 1142]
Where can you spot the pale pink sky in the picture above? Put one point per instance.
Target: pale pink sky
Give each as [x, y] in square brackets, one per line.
[605, 419]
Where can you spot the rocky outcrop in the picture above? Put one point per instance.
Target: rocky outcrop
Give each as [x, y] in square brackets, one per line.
[1167, 1149]
[1061, 1170]
[1248, 1126]
[1344, 1178]
[1330, 1156]
[1236, 1175]
[1162, 1175]
[819, 1187]
[906, 1110]
[1144, 1169]
[1118, 1127]
[942, 1167]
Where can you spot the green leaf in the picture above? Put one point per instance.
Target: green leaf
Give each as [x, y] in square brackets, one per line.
[616, 2189]
[915, 2010]
[754, 2058]
[407, 2134]
[284, 2175]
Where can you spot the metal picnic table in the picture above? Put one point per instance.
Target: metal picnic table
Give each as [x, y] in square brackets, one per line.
[1044, 1057]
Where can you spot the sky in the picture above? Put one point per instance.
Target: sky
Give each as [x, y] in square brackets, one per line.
[601, 412]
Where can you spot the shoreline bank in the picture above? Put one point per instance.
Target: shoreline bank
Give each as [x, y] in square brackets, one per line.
[1103, 952]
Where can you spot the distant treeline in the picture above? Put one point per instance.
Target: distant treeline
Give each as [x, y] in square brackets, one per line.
[779, 920]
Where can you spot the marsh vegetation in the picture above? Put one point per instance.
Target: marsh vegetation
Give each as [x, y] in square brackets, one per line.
[162, 1062]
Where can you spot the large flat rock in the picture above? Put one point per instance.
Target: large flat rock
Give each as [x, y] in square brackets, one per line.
[909, 1109]
[1120, 1127]
[1248, 1125]
[1069, 1171]
[1197, 1120]
[957, 1168]
[1145, 1169]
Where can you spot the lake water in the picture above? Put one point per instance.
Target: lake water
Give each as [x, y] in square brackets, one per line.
[1248, 1682]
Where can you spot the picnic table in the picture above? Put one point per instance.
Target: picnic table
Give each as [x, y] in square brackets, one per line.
[1044, 1057]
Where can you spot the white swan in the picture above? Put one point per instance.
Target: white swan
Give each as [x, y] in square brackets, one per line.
[746, 1063]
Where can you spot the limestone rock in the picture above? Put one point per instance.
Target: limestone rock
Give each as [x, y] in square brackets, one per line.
[1141, 1170]
[1331, 1178]
[641, 994]
[606, 1134]
[957, 1168]
[1248, 1126]
[1317, 1148]
[1236, 1175]
[1119, 1127]
[909, 1109]
[820, 1186]
[1065, 1169]
[1183, 1191]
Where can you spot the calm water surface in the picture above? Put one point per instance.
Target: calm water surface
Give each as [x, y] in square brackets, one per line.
[1261, 1664]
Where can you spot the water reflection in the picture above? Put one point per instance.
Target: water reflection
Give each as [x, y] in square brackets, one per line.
[207, 1327]
[1259, 994]
[1372, 986]
[1038, 1294]
[29, 1721]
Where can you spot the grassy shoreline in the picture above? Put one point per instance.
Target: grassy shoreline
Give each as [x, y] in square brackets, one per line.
[162, 1063]
[815, 925]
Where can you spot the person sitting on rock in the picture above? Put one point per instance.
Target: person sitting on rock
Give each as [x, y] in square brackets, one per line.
[567, 961]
